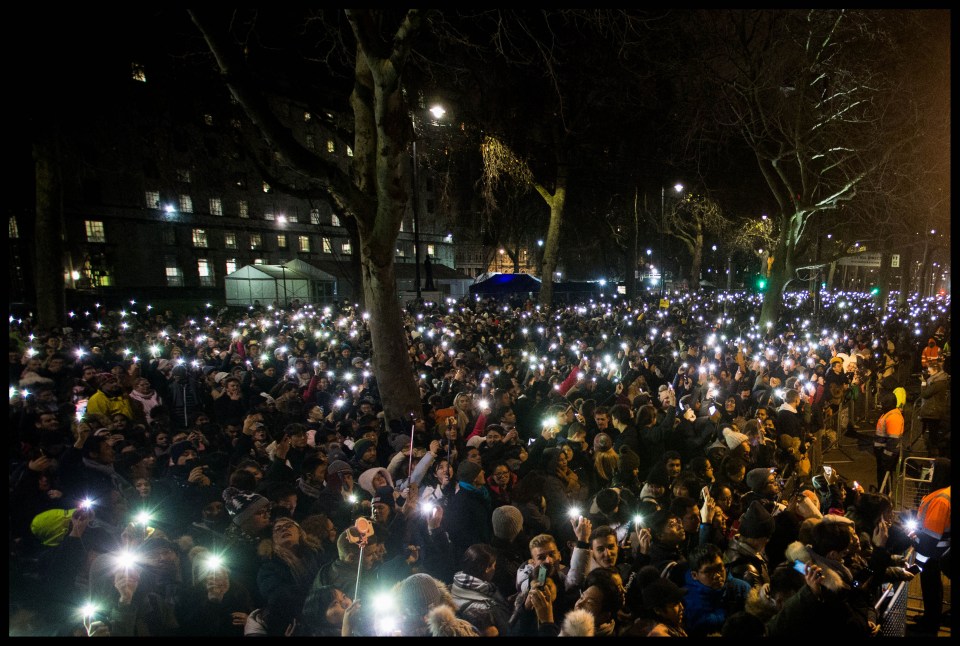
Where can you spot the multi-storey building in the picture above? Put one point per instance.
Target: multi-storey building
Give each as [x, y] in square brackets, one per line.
[162, 198]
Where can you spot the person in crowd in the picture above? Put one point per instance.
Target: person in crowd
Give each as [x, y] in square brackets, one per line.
[933, 547]
[477, 598]
[713, 594]
[279, 476]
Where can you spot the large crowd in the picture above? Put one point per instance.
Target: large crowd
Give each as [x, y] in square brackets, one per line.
[603, 468]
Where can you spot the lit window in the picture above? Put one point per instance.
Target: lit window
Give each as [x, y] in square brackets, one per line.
[330, 147]
[327, 247]
[230, 240]
[255, 241]
[314, 216]
[205, 271]
[139, 73]
[14, 232]
[152, 199]
[400, 251]
[216, 206]
[346, 248]
[269, 216]
[95, 231]
[431, 250]
[243, 208]
[304, 243]
[293, 217]
[186, 204]
[401, 226]
[208, 119]
[266, 187]
[174, 275]
[349, 151]
[258, 261]
[183, 175]
[281, 241]
[231, 265]
[200, 238]
[334, 220]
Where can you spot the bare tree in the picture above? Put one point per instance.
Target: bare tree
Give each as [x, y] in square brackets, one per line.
[822, 118]
[688, 220]
[373, 191]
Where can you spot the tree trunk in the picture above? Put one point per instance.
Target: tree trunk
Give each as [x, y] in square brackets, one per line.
[630, 262]
[906, 264]
[779, 276]
[48, 235]
[883, 278]
[552, 244]
[391, 364]
[924, 270]
[696, 262]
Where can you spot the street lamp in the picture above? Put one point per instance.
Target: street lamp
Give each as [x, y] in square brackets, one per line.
[663, 216]
[437, 111]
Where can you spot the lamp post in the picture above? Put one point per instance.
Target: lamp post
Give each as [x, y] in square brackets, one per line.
[437, 111]
[416, 214]
[663, 217]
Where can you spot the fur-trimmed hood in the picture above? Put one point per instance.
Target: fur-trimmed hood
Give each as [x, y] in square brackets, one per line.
[797, 551]
[578, 623]
[366, 479]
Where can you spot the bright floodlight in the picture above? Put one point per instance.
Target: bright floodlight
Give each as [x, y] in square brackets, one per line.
[438, 111]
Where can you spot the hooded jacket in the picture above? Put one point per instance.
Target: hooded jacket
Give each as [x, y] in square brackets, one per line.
[706, 609]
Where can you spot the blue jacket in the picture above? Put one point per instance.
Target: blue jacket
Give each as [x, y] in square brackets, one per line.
[705, 610]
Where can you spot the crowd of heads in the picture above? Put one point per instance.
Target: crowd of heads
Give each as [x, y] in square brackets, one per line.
[276, 426]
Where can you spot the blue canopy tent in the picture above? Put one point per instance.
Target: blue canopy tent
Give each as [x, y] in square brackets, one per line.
[503, 284]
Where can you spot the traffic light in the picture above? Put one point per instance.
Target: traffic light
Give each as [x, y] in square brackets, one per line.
[761, 283]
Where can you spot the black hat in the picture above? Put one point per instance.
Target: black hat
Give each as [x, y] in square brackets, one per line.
[385, 495]
[757, 522]
[607, 500]
[660, 592]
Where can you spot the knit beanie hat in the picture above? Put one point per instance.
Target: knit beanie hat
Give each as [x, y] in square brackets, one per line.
[176, 450]
[339, 466]
[757, 478]
[757, 522]
[734, 438]
[361, 447]
[385, 495]
[418, 593]
[507, 522]
[602, 442]
[468, 471]
[243, 505]
[629, 460]
[51, 526]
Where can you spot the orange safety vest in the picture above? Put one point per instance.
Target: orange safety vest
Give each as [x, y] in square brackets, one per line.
[934, 518]
[889, 430]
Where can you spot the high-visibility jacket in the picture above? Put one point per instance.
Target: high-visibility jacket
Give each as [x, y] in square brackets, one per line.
[889, 431]
[934, 529]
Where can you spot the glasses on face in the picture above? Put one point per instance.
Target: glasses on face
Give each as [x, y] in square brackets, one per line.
[712, 570]
[501, 474]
